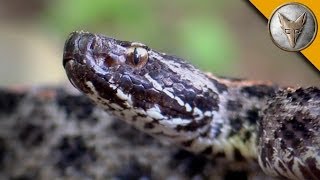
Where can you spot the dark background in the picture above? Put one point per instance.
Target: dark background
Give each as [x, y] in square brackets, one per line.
[229, 38]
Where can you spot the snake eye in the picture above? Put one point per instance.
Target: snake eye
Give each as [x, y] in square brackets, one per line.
[137, 56]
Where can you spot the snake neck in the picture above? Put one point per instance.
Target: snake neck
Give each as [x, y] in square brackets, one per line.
[232, 132]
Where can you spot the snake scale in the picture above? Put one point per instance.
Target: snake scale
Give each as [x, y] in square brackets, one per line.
[238, 121]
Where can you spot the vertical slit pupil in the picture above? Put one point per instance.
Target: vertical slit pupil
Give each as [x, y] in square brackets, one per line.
[136, 57]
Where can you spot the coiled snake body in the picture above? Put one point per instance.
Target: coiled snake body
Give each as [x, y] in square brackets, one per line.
[237, 120]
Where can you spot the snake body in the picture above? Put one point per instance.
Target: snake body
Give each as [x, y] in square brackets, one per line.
[239, 121]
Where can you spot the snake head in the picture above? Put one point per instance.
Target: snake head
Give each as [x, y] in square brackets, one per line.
[149, 89]
[89, 58]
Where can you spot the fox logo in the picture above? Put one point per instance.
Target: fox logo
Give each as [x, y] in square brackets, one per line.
[292, 29]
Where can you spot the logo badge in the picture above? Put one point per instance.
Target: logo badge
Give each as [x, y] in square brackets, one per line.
[293, 27]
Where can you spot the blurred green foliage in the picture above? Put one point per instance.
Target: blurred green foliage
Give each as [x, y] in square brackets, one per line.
[208, 43]
[185, 27]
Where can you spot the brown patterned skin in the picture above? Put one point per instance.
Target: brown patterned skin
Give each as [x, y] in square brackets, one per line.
[57, 133]
[289, 143]
[168, 98]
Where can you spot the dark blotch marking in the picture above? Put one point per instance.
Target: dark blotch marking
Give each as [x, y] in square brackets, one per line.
[187, 143]
[296, 143]
[247, 136]
[181, 154]
[152, 95]
[78, 106]
[304, 95]
[220, 155]
[3, 152]
[134, 170]
[253, 116]
[31, 134]
[312, 165]
[289, 135]
[236, 125]
[298, 126]
[206, 133]
[73, 152]
[9, 101]
[259, 91]
[149, 125]
[240, 175]
[233, 105]
[189, 163]
[220, 87]
[237, 155]
[292, 129]
[305, 172]
[207, 151]
[126, 133]
[207, 102]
